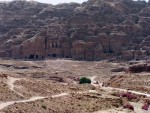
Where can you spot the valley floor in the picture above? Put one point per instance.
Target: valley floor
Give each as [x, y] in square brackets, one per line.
[52, 86]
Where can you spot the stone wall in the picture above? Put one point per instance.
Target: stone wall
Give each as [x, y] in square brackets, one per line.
[78, 50]
[17, 51]
[133, 54]
[34, 48]
[53, 49]
[92, 48]
[2, 54]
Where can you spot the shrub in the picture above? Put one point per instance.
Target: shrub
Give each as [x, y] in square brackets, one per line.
[129, 95]
[145, 107]
[44, 106]
[128, 106]
[137, 68]
[85, 80]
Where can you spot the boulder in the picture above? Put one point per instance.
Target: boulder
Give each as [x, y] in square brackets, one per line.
[119, 69]
[137, 68]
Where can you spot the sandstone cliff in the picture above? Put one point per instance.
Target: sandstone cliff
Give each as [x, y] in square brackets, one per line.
[93, 30]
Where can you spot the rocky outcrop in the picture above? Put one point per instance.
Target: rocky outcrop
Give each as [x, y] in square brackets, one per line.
[93, 30]
[133, 54]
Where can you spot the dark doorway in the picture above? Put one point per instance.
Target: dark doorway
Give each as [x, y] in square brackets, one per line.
[31, 57]
[52, 45]
[36, 56]
[54, 55]
[56, 45]
[67, 56]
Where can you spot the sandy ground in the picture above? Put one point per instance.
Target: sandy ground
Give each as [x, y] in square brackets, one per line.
[31, 81]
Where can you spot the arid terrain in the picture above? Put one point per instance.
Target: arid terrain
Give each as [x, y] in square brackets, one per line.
[92, 31]
[52, 86]
[46, 50]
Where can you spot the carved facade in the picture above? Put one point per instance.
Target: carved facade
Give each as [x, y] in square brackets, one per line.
[40, 48]
[82, 32]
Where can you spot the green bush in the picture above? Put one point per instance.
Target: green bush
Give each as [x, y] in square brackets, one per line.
[85, 80]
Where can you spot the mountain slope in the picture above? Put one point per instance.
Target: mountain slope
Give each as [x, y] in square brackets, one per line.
[36, 30]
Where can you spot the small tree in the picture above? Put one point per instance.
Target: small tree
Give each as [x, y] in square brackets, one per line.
[85, 80]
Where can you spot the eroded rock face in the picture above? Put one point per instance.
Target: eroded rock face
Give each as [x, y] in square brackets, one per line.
[89, 31]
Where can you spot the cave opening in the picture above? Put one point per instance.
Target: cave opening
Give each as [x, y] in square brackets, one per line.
[36, 56]
[54, 55]
[31, 56]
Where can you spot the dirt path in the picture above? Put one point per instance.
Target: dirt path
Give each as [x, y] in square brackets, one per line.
[10, 82]
[110, 89]
[6, 104]
[119, 110]
[60, 95]
[138, 107]
[56, 64]
[34, 98]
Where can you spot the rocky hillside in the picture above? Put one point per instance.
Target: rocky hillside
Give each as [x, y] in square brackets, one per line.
[93, 30]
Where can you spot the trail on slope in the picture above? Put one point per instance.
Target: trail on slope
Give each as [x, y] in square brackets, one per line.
[56, 64]
[125, 90]
[118, 89]
[111, 111]
[10, 82]
[6, 104]
[110, 89]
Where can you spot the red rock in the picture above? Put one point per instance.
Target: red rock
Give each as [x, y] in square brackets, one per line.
[145, 107]
[128, 106]
[94, 30]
